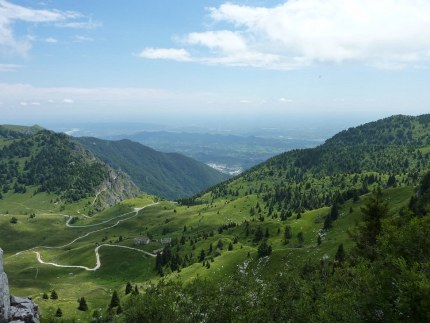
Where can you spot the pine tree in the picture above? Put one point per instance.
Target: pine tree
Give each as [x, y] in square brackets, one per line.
[59, 312]
[230, 247]
[45, 296]
[258, 234]
[114, 302]
[54, 295]
[340, 254]
[83, 304]
[202, 255]
[136, 290]
[264, 249]
[373, 212]
[128, 288]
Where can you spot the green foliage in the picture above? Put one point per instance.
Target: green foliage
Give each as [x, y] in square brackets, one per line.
[373, 213]
[420, 203]
[390, 287]
[264, 249]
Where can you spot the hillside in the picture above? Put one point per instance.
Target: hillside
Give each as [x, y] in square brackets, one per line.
[39, 163]
[334, 233]
[169, 175]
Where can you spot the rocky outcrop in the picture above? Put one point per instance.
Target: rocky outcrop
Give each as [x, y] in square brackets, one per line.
[15, 309]
[117, 187]
[4, 292]
[23, 309]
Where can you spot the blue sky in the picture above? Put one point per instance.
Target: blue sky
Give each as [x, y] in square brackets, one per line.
[156, 60]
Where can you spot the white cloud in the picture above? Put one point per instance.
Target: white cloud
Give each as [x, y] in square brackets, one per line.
[68, 101]
[180, 55]
[80, 39]
[51, 40]
[10, 13]
[297, 33]
[90, 24]
[9, 67]
[224, 40]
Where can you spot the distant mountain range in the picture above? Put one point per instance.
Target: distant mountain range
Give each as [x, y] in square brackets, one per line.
[229, 153]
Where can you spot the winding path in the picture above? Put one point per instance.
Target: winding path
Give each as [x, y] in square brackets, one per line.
[98, 262]
[96, 250]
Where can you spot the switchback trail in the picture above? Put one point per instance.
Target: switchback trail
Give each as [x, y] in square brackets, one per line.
[98, 262]
[96, 250]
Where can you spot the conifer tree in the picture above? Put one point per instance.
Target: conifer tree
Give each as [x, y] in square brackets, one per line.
[128, 288]
[54, 295]
[83, 304]
[373, 212]
[340, 254]
[114, 302]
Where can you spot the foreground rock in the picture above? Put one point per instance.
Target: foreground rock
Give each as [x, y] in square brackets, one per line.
[15, 309]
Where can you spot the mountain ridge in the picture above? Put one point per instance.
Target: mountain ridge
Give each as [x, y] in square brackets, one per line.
[169, 175]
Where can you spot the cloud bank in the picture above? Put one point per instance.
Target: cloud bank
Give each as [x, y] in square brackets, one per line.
[297, 33]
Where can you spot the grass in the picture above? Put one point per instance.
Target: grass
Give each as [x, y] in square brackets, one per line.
[198, 223]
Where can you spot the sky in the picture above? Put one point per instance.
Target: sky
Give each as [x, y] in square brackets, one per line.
[175, 61]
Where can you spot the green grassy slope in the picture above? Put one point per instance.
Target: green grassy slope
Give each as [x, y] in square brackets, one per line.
[168, 175]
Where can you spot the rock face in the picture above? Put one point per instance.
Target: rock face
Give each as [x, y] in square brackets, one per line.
[15, 309]
[4, 292]
[23, 310]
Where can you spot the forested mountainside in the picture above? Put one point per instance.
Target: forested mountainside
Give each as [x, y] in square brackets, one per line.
[389, 152]
[334, 233]
[168, 175]
[379, 272]
[44, 161]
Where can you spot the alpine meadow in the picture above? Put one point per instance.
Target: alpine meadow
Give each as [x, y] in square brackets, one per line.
[215, 161]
